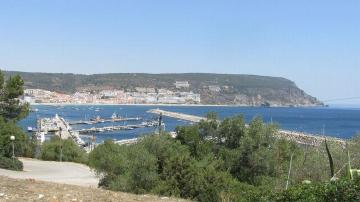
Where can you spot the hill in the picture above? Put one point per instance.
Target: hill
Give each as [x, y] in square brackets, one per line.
[231, 89]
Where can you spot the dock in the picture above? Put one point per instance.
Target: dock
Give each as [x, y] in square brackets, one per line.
[60, 127]
[96, 121]
[144, 124]
[298, 137]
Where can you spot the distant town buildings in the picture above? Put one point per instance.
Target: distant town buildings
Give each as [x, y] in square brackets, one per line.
[145, 90]
[182, 84]
[113, 96]
[215, 88]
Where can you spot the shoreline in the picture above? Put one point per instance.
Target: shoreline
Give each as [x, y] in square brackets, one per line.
[174, 105]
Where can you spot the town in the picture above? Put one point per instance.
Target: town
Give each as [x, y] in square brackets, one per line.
[141, 95]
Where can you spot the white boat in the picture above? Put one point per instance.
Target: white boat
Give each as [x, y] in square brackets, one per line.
[34, 110]
[114, 116]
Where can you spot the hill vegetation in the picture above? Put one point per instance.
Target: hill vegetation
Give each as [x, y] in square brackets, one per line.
[228, 161]
[213, 88]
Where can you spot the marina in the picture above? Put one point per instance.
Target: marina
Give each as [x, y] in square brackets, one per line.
[60, 127]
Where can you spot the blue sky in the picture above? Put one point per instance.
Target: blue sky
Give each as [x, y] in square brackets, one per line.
[314, 43]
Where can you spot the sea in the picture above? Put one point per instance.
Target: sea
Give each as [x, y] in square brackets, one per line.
[334, 121]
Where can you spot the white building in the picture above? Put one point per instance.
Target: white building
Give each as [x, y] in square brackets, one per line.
[182, 84]
[145, 90]
[215, 88]
[111, 93]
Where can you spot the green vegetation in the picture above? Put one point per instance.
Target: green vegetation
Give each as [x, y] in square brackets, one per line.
[342, 190]
[235, 89]
[51, 151]
[10, 164]
[226, 161]
[11, 111]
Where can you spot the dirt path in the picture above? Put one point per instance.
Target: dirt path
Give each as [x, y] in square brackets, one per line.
[59, 172]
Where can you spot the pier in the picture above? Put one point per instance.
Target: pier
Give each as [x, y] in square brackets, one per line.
[114, 128]
[59, 127]
[100, 120]
[298, 137]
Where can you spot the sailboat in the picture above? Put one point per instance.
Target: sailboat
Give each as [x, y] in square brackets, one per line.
[114, 116]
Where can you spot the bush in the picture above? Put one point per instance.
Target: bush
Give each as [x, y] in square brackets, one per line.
[22, 142]
[50, 151]
[161, 165]
[342, 190]
[9, 163]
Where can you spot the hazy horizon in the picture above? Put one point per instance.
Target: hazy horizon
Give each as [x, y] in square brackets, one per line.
[314, 44]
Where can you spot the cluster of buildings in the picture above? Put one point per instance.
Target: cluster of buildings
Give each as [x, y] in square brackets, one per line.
[141, 95]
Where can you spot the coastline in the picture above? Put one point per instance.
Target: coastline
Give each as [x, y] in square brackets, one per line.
[175, 105]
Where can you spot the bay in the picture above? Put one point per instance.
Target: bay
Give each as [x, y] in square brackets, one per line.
[338, 122]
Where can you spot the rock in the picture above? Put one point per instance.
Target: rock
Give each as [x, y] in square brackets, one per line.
[2, 194]
[41, 196]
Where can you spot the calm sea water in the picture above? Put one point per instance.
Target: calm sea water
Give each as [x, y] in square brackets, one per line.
[338, 122]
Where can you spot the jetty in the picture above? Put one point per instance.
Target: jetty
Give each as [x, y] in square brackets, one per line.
[298, 137]
[177, 115]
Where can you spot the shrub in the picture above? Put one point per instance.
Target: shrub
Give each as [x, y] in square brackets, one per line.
[161, 165]
[22, 142]
[342, 190]
[11, 164]
[50, 151]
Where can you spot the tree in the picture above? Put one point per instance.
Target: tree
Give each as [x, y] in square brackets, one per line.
[189, 135]
[10, 91]
[11, 111]
[231, 130]
[208, 127]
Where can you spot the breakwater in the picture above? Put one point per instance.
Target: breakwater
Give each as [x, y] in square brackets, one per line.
[177, 115]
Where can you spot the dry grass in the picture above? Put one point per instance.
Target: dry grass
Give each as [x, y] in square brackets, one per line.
[33, 190]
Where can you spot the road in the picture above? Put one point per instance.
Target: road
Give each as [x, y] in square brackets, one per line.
[51, 171]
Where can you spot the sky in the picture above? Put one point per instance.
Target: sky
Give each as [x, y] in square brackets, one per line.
[314, 43]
